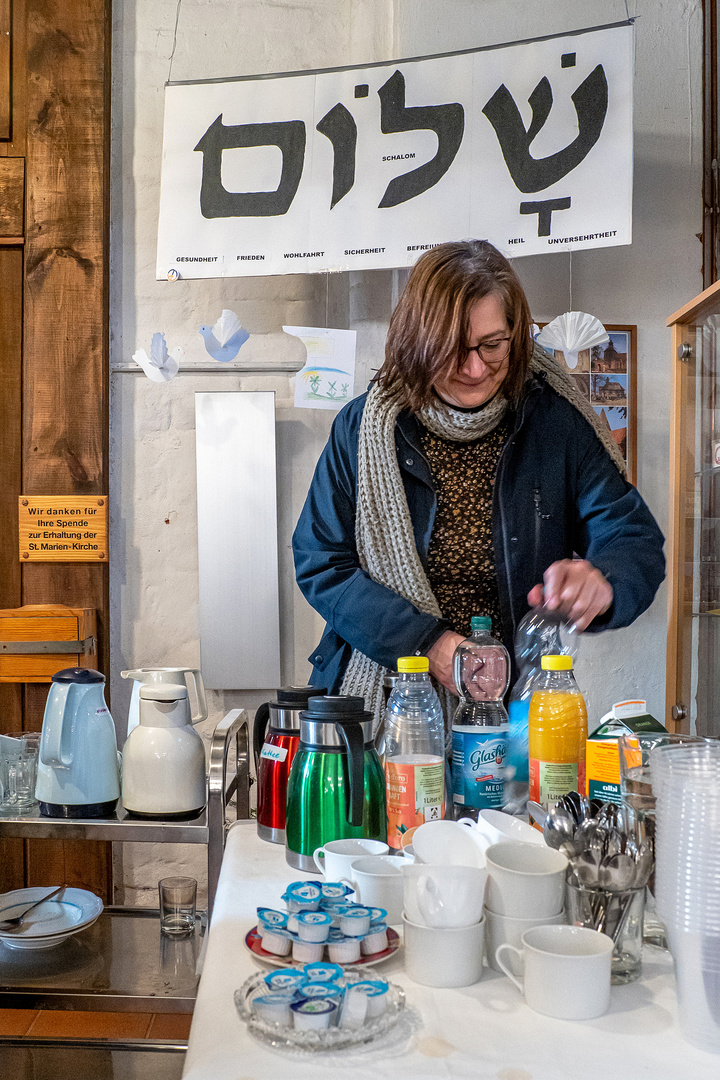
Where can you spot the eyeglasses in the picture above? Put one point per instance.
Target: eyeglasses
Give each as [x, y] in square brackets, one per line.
[490, 352]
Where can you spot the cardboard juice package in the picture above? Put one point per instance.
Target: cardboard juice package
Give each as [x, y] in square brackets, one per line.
[602, 759]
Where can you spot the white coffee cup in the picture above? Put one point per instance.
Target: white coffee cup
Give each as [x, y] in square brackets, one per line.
[444, 957]
[497, 826]
[378, 882]
[449, 843]
[525, 881]
[566, 970]
[334, 860]
[450, 896]
[503, 930]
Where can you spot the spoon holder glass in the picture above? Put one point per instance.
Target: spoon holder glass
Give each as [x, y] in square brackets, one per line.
[617, 914]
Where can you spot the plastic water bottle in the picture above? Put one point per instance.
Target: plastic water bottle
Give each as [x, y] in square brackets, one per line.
[481, 668]
[413, 751]
[540, 633]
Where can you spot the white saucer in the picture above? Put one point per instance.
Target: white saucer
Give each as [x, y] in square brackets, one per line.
[50, 923]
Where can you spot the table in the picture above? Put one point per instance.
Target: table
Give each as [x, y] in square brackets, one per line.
[483, 1032]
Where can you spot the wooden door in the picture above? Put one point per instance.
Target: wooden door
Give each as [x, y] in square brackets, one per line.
[54, 194]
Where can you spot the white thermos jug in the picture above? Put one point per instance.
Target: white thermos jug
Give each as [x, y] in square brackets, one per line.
[170, 676]
[164, 757]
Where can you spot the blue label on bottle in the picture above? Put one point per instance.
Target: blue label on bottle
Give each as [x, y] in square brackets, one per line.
[478, 766]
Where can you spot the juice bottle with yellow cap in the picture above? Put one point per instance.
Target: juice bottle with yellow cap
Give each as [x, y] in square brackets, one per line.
[558, 730]
[413, 751]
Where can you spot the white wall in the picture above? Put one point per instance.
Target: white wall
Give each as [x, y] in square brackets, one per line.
[154, 562]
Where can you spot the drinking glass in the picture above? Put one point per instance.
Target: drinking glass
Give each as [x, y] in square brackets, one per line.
[178, 897]
[617, 914]
[18, 772]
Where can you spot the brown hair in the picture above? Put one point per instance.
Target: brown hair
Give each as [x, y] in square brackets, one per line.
[428, 328]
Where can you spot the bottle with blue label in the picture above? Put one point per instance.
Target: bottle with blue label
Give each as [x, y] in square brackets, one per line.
[481, 668]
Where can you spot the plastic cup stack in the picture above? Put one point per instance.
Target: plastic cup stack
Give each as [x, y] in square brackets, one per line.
[686, 784]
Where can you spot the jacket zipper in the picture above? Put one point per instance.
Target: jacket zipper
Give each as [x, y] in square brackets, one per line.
[501, 508]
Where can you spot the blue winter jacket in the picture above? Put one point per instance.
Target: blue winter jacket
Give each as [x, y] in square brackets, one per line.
[557, 493]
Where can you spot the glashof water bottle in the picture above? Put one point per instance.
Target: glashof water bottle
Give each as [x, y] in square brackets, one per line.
[481, 668]
[412, 750]
[540, 633]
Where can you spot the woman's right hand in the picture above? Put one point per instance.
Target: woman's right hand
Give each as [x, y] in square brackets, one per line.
[441, 655]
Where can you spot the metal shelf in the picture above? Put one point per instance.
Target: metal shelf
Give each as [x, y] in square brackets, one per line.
[120, 964]
[224, 782]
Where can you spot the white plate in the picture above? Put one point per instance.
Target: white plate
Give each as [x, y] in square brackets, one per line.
[50, 923]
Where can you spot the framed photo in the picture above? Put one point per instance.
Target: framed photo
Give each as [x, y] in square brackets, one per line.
[606, 375]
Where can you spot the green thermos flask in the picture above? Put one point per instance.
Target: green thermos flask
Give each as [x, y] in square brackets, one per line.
[336, 787]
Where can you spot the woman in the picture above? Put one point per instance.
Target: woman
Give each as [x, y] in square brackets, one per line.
[471, 479]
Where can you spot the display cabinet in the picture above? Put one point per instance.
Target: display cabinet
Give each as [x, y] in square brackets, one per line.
[693, 648]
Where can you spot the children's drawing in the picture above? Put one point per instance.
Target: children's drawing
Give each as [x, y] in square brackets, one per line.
[327, 380]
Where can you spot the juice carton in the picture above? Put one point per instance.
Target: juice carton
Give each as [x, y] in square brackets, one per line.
[602, 758]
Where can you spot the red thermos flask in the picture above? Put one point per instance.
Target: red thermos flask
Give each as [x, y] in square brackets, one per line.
[276, 734]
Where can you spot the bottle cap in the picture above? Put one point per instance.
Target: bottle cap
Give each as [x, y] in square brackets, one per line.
[556, 663]
[413, 664]
[481, 622]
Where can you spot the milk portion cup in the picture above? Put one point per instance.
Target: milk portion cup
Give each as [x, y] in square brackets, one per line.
[525, 881]
[564, 970]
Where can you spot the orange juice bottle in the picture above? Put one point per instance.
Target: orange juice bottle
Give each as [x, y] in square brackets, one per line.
[558, 730]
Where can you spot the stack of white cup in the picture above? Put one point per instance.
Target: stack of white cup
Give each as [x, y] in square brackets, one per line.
[686, 785]
[526, 888]
[443, 924]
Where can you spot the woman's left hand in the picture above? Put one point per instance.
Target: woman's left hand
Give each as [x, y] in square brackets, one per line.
[575, 588]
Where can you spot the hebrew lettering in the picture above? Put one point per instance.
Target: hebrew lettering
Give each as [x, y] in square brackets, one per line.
[216, 201]
[448, 123]
[535, 174]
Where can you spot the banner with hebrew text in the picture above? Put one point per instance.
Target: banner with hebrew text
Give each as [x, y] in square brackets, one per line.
[528, 145]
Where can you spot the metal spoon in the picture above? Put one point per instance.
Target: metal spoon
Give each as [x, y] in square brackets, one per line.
[617, 873]
[537, 812]
[14, 922]
[558, 827]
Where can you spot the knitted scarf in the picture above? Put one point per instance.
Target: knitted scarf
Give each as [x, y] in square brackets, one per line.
[383, 527]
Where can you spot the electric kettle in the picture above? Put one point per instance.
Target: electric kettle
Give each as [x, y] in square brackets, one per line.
[276, 734]
[336, 787]
[164, 757]
[170, 676]
[78, 775]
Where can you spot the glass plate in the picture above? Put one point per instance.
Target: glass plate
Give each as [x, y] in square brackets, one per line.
[332, 1038]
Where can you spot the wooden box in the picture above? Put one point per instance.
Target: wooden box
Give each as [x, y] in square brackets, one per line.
[47, 627]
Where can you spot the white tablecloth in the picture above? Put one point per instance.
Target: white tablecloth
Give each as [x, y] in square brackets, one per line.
[483, 1032]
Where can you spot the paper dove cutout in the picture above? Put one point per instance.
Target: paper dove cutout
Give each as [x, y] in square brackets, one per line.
[224, 340]
[160, 365]
[572, 332]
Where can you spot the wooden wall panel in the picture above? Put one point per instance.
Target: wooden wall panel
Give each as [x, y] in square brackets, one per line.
[12, 192]
[5, 80]
[11, 295]
[65, 372]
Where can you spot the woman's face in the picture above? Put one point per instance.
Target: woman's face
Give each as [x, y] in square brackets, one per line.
[479, 374]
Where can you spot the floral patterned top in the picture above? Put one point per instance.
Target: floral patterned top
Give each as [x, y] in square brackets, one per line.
[461, 563]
